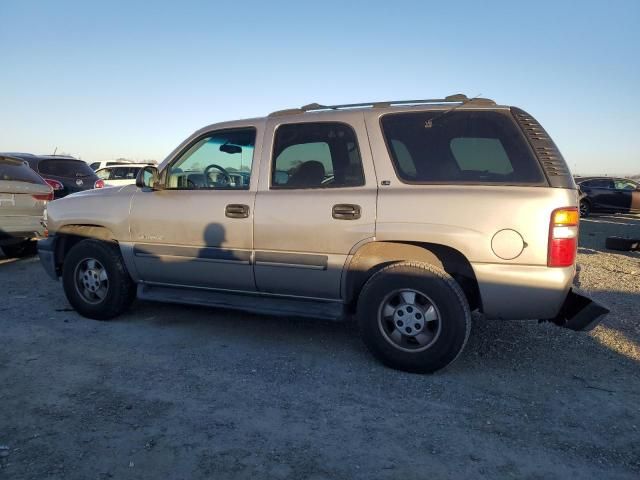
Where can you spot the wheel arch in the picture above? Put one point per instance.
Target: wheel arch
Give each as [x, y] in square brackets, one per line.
[373, 256]
[69, 235]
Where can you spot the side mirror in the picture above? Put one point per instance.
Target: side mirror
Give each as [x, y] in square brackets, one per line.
[148, 178]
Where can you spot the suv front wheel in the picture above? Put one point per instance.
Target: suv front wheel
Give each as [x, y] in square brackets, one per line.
[96, 281]
[414, 317]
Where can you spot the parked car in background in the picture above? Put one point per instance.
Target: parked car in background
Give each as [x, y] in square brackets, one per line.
[23, 196]
[65, 174]
[110, 163]
[407, 215]
[605, 194]
[120, 174]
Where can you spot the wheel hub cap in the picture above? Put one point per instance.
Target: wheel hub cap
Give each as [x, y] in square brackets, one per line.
[409, 320]
[92, 282]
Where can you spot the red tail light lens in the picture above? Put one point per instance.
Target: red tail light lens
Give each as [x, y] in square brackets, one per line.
[55, 184]
[563, 237]
[99, 184]
[45, 196]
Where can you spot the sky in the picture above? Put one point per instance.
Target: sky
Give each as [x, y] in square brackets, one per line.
[102, 80]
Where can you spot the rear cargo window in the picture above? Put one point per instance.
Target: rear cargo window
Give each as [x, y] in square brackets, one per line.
[65, 168]
[18, 171]
[475, 147]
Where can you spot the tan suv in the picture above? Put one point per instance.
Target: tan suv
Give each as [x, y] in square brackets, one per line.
[408, 215]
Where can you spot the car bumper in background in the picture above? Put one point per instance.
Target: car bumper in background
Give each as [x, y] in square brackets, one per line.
[46, 252]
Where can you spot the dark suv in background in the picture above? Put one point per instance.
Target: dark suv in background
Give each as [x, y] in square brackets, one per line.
[607, 194]
[65, 174]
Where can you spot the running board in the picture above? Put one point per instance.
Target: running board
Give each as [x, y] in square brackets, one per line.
[262, 304]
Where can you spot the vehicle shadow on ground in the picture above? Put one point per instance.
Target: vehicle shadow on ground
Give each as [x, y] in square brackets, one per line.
[494, 346]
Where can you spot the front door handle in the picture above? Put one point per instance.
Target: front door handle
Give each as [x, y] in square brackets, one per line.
[346, 211]
[236, 210]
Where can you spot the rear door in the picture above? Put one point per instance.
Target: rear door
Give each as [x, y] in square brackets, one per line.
[316, 202]
[600, 193]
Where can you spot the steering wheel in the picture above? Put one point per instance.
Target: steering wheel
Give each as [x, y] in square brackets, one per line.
[225, 174]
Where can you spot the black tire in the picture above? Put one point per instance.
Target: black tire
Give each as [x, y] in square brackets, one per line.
[622, 244]
[118, 289]
[585, 208]
[441, 291]
[27, 248]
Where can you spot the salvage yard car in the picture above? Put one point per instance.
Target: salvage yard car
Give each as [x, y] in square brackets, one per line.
[23, 196]
[406, 215]
[120, 174]
[65, 174]
[606, 194]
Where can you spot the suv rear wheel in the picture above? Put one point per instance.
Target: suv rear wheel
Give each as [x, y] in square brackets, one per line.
[414, 317]
[96, 281]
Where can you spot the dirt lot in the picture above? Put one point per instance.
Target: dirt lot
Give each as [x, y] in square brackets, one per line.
[187, 393]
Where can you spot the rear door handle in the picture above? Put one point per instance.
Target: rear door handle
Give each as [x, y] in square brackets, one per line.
[346, 211]
[236, 210]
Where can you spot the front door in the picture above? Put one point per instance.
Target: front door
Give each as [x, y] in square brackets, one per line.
[316, 202]
[197, 231]
[626, 197]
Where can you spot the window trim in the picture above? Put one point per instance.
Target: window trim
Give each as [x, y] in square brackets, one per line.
[333, 122]
[543, 183]
[164, 174]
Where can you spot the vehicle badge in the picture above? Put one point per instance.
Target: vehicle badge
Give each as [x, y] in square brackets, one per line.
[79, 182]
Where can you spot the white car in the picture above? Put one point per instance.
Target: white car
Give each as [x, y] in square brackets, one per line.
[95, 166]
[120, 174]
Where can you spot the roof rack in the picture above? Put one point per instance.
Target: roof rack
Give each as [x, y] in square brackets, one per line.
[316, 107]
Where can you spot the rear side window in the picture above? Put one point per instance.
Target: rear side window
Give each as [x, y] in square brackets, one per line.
[316, 155]
[65, 168]
[17, 171]
[475, 147]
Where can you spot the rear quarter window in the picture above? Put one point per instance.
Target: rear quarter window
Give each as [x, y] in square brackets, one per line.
[460, 147]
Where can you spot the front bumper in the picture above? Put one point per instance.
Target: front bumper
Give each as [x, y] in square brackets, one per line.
[579, 312]
[47, 254]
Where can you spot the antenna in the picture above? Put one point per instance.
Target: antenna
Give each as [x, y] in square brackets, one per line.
[55, 150]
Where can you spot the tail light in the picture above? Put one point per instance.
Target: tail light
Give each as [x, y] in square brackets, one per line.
[55, 184]
[563, 237]
[99, 184]
[45, 196]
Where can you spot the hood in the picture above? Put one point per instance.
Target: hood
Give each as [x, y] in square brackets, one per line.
[106, 191]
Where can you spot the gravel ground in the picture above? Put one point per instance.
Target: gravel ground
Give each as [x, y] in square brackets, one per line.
[188, 393]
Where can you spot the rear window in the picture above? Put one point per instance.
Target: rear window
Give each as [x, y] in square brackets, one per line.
[65, 168]
[475, 147]
[18, 171]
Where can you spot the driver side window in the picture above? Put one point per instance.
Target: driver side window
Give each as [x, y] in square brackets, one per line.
[219, 161]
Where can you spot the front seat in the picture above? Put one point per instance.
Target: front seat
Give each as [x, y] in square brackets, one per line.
[308, 174]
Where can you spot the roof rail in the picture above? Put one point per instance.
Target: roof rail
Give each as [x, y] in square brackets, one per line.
[316, 107]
